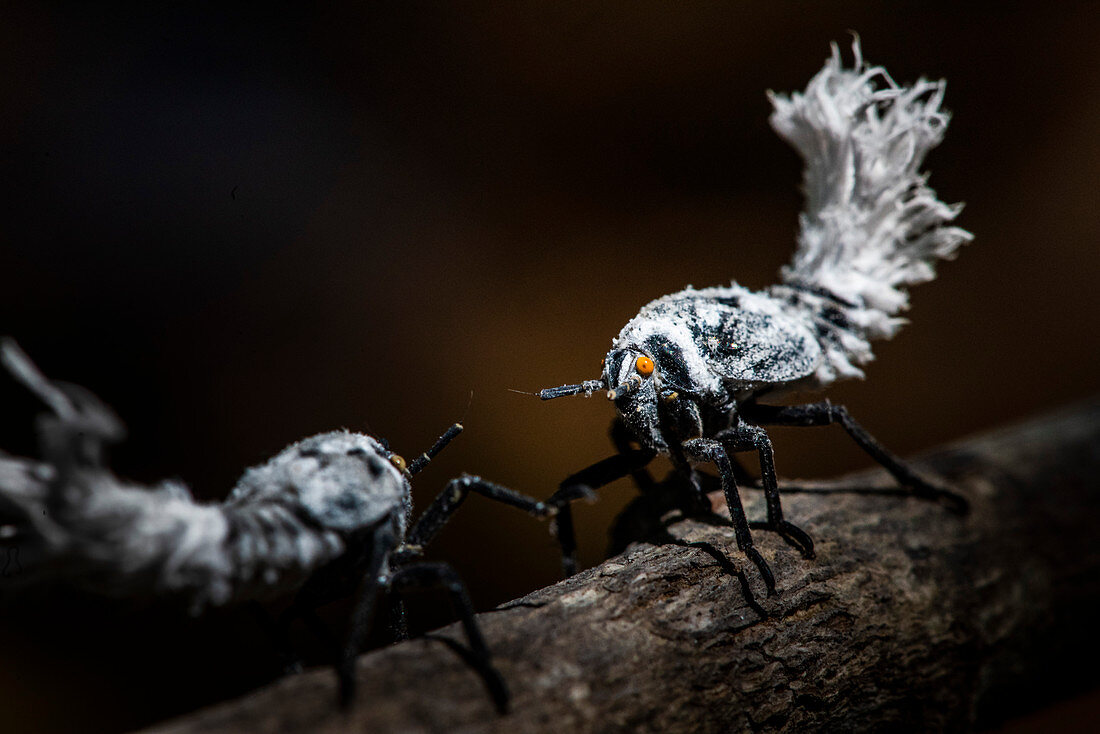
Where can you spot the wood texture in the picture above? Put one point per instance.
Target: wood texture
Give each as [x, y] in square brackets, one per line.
[910, 618]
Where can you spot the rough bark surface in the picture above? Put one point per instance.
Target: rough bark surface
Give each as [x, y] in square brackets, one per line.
[909, 619]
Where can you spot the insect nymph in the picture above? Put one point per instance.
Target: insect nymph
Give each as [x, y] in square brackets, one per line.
[689, 373]
[328, 517]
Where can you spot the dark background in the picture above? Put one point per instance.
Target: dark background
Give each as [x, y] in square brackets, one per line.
[242, 228]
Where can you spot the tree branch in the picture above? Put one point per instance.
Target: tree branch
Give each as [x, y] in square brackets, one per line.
[910, 618]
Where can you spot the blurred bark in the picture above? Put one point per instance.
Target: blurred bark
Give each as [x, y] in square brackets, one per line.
[909, 619]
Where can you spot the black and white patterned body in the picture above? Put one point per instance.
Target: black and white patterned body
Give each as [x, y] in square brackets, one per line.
[689, 373]
[710, 349]
[326, 516]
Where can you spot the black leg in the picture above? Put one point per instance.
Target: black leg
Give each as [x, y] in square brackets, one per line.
[824, 414]
[303, 608]
[383, 543]
[567, 539]
[653, 494]
[421, 461]
[695, 503]
[440, 575]
[455, 493]
[754, 438]
[708, 449]
[582, 485]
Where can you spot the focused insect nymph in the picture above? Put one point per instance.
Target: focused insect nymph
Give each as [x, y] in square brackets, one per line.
[328, 517]
[688, 373]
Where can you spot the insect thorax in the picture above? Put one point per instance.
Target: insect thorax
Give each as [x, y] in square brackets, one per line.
[721, 342]
[343, 481]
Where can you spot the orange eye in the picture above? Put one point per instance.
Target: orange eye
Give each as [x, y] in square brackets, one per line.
[644, 365]
[398, 462]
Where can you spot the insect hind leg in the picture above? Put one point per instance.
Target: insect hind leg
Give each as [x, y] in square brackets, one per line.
[824, 414]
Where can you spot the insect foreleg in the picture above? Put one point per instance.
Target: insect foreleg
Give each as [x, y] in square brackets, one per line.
[431, 522]
[824, 414]
[709, 449]
[440, 575]
[754, 438]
